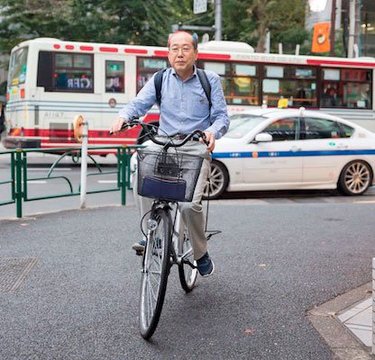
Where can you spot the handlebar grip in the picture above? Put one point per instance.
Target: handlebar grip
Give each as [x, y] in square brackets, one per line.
[133, 122]
[204, 138]
[126, 124]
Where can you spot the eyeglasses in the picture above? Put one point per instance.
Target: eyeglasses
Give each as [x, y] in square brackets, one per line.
[184, 49]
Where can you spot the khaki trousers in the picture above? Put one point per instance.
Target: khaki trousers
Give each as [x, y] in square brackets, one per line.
[192, 213]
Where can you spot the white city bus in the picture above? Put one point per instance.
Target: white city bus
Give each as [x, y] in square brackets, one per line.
[51, 81]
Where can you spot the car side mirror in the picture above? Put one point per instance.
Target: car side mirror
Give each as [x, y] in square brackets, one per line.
[262, 137]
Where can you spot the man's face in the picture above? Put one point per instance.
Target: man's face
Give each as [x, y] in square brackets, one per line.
[182, 54]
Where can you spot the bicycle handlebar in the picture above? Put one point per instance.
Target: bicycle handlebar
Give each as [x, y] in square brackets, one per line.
[145, 127]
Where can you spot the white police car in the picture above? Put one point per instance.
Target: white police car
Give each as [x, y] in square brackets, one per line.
[290, 149]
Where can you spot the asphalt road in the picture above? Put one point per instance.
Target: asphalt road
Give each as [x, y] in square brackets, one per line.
[38, 186]
[275, 260]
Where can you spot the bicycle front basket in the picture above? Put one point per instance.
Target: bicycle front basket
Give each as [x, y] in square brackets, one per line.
[167, 176]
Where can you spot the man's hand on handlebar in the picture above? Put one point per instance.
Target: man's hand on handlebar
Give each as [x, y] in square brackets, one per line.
[209, 140]
[117, 125]
[121, 124]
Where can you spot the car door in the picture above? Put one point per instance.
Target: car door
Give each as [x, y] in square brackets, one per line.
[324, 147]
[277, 163]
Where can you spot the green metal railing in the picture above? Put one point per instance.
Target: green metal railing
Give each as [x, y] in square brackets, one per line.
[19, 175]
[10, 181]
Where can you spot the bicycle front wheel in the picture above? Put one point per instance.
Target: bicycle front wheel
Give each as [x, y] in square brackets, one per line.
[187, 274]
[156, 266]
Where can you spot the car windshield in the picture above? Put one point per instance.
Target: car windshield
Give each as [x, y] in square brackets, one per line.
[241, 124]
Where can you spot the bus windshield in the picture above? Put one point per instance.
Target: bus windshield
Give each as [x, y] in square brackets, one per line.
[17, 67]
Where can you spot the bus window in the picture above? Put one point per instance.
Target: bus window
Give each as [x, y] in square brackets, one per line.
[346, 88]
[66, 72]
[240, 81]
[114, 76]
[245, 85]
[146, 68]
[73, 72]
[297, 84]
[17, 67]
[221, 69]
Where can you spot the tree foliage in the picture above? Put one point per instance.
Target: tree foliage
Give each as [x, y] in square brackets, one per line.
[147, 22]
[250, 21]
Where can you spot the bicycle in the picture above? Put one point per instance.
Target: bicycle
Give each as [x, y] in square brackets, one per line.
[168, 178]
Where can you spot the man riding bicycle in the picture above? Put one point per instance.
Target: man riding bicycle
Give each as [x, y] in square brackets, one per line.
[184, 107]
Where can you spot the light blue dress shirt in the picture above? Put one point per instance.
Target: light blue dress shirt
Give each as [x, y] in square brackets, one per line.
[184, 105]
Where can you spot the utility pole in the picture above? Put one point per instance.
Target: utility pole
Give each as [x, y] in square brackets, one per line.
[352, 10]
[218, 20]
[333, 26]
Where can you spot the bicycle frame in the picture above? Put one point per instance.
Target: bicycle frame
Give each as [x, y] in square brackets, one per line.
[176, 235]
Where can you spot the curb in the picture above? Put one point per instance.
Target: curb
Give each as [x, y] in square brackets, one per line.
[33, 216]
[339, 338]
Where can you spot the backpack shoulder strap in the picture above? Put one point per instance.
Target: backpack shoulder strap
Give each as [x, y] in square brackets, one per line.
[158, 82]
[205, 84]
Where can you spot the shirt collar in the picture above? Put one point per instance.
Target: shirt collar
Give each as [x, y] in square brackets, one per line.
[194, 71]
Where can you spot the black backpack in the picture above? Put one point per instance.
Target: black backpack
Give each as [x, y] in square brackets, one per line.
[202, 78]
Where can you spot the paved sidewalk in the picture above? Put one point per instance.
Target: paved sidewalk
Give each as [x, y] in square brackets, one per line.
[358, 319]
[345, 323]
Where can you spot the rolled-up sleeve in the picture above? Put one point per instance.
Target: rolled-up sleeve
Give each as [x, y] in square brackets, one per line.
[142, 103]
[219, 114]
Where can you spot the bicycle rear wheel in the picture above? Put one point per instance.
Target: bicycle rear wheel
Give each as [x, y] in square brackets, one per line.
[187, 274]
[156, 265]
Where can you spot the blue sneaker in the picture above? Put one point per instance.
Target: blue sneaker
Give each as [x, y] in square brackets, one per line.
[139, 247]
[205, 265]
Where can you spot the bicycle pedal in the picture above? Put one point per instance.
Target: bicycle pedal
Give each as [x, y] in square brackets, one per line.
[139, 252]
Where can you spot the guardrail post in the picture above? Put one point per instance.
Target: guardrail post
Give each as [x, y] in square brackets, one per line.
[18, 193]
[123, 168]
[373, 305]
[13, 175]
[84, 163]
[128, 157]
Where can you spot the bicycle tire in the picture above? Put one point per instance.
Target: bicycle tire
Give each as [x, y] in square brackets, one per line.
[187, 275]
[155, 271]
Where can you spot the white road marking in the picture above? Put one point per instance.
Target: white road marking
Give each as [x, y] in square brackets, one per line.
[107, 181]
[37, 182]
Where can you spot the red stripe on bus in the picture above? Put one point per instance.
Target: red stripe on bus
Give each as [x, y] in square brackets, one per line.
[108, 49]
[69, 133]
[86, 48]
[135, 51]
[151, 118]
[339, 62]
[108, 141]
[214, 56]
[163, 53]
[56, 46]
[69, 47]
